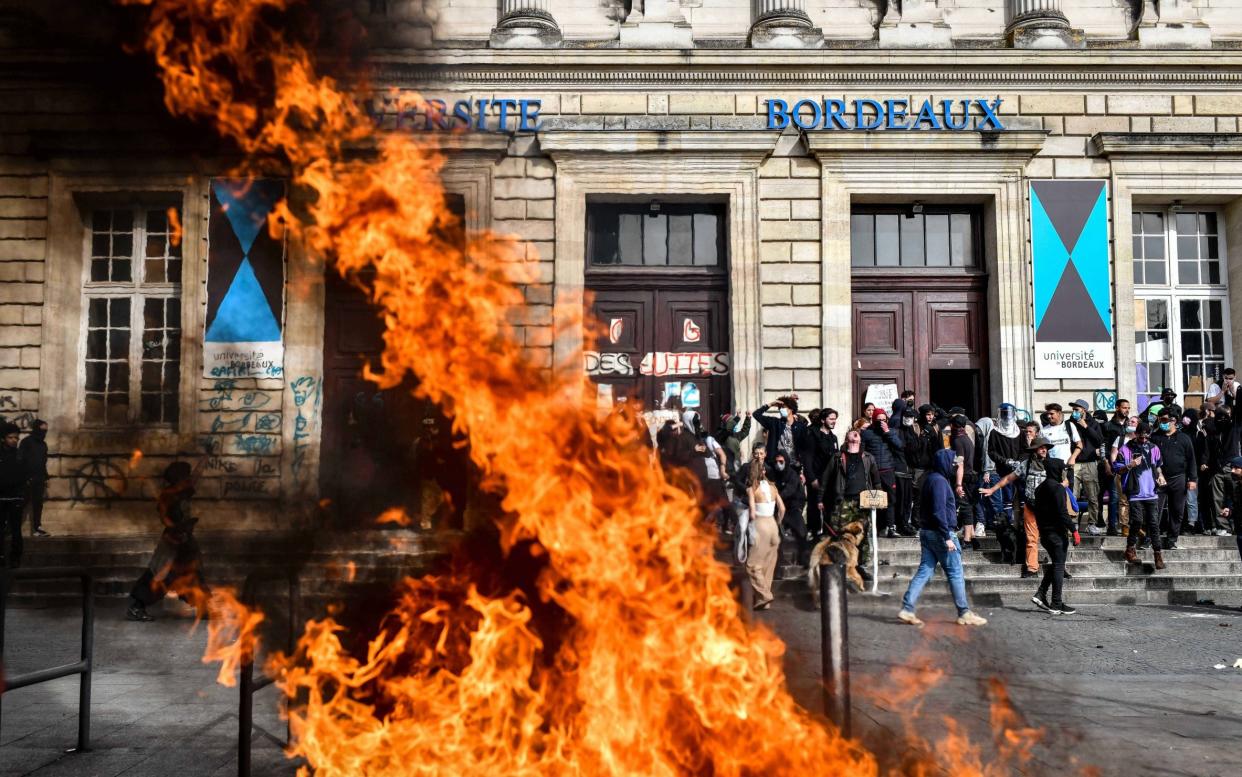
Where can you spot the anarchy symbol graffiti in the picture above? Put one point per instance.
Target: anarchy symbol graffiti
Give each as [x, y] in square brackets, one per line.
[97, 479]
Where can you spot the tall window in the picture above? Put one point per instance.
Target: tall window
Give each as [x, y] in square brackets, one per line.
[132, 299]
[1182, 306]
[914, 236]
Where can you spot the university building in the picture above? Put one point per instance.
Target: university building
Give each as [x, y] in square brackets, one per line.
[980, 200]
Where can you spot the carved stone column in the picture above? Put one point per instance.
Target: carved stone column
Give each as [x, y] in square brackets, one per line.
[1173, 24]
[525, 24]
[783, 24]
[915, 24]
[1039, 24]
[656, 24]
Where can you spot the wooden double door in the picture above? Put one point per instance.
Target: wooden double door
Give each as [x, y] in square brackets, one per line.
[664, 344]
[924, 333]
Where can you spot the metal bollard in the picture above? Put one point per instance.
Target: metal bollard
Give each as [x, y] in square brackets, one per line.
[834, 644]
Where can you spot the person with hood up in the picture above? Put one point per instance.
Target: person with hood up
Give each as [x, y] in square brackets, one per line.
[904, 468]
[1114, 434]
[847, 475]
[1003, 443]
[1138, 461]
[1181, 472]
[786, 475]
[938, 541]
[734, 429]
[34, 452]
[1056, 527]
[13, 477]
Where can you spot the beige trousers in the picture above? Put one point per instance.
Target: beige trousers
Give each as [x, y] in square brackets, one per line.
[761, 559]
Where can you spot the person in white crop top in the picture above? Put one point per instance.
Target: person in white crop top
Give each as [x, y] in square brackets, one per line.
[766, 510]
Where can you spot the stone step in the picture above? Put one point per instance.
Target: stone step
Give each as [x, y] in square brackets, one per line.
[971, 557]
[1188, 541]
[1092, 569]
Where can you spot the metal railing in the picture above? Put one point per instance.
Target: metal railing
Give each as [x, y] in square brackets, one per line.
[247, 684]
[81, 667]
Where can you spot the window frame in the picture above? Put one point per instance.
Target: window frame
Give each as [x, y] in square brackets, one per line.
[71, 196]
[138, 290]
[674, 206]
[978, 249]
[1173, 293]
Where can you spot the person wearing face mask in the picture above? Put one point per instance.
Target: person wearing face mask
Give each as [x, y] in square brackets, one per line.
[903, 467]
[785, 430]
[847, 475]
[1087, 467]
[1223, 446]
[786, 475]
[1003, 442]
[1123, 501]
[884, 445]
[1114, 434]
[821, 447]
[1031, 472]
[1181, 474]
[34, 450]
[1138, 461]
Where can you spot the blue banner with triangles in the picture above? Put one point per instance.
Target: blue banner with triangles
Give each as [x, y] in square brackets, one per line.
[1073, 294]
[243, 336]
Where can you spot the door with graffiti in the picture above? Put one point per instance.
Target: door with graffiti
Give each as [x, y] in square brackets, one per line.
[657, 286]
[382, 448]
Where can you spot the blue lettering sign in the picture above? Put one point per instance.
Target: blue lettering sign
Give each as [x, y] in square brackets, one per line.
[893, 115]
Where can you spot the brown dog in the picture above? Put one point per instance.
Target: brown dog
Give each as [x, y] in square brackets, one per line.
[830, 549]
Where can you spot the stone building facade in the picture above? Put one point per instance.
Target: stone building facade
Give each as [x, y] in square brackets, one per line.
[661, 179]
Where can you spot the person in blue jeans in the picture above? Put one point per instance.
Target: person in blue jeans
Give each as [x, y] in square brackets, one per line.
[938, 538]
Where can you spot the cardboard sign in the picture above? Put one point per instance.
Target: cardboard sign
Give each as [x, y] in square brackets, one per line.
[873, 500]
[882, 395]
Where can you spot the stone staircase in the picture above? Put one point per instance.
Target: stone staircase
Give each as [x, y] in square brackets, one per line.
[1203, 568]
[323, 561]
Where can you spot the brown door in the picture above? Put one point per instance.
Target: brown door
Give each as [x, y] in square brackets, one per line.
[664, 347]
[381, 448]
[923, 332]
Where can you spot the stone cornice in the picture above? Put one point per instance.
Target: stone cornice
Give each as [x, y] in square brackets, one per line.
[1017, 142]
[566, 142]
[1110, 144]
[748, 68]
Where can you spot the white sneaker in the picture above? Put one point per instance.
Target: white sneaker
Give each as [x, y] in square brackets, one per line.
[905, 616]
[968, 618]
[980, 530]
[1094, 530]
[1223, 533]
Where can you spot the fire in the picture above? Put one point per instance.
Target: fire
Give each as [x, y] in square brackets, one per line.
[135, 458]
[626, 654]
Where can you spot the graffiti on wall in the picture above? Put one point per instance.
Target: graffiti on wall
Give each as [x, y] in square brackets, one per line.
[307, 392]
[98, 479]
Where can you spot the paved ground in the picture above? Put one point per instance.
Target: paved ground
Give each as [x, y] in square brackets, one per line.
[1129, 689]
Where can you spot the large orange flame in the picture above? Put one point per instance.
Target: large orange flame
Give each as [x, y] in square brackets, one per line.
[652, 670]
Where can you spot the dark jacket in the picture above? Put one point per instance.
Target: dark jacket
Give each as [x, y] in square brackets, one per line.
[937, 504]
[929, 442]
[1177, 454]
[1051, 508]
[881, 446]
[13, 473]
[1113, 430]
[1223, 442]
[35, 452]
[1002, 449]
[789, 484]
[821, 446]
[774, 425]
[1092, 436]
[832, 481]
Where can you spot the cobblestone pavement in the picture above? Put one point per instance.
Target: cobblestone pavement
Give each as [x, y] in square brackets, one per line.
[1130, 689]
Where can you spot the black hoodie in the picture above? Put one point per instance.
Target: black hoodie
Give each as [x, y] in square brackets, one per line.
[1051, 509]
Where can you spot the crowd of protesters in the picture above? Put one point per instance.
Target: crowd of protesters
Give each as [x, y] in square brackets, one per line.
[950, 481]
[23, 486]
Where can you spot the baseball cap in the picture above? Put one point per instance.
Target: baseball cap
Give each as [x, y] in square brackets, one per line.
[1236, 462]
[1080, 403]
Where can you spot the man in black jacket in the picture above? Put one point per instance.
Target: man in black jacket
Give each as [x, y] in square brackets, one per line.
[1056, 527]
[821, 445]
[12, 495]
[786, 475]
[1181, 473]
[34, 451]
[786, 430]
[1114, 430]
[1223, 447]
[1087, 467]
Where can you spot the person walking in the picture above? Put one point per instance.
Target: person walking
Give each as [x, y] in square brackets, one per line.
[938, 542]
[13, 474]
[1087, 467]
[176, 564]
[1181, 474]
[1031, 471]
[1139, 463]
[847, 475]
[34, 451]
[1056, 528]
[766, 512]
